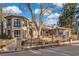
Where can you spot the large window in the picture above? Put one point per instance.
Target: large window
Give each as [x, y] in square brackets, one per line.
[8, 22]
[17, 23]
[17, 33]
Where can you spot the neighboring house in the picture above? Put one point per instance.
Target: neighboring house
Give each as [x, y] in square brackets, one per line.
[16, 26]
[58, 31]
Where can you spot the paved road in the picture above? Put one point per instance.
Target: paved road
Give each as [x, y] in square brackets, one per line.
[69, 50]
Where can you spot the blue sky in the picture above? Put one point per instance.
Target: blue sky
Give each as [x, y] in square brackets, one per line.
[21, 9]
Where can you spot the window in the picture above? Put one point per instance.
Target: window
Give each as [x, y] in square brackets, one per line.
[9, 32]
[8, 22]
[17, 33]
[25, 23]
[17, 23]
[30, 24]
[24, 33]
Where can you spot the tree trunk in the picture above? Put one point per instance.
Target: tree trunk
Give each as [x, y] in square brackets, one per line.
[2, 28]
[78, 35]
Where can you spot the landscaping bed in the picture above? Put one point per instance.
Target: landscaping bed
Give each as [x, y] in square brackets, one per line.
[5, 42]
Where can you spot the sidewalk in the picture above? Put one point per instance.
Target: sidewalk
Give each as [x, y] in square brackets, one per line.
[12, 46]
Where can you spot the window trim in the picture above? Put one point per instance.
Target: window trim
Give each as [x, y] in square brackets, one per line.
[17, 23]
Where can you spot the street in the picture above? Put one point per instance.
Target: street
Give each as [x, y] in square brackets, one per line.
[67, 50]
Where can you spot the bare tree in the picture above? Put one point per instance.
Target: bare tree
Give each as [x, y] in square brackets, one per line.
[1, 18]
[33, 17]
[41, 23]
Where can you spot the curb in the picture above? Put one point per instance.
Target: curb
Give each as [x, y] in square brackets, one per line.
[30, 48]
[37, 47]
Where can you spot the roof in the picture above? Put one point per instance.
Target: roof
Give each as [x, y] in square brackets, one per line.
[13, 16]
[63, 28]
[58, 28]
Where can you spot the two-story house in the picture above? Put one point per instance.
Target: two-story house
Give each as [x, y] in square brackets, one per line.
[19, 26]
[16, 26]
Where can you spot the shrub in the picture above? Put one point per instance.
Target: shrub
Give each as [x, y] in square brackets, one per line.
[2, 46]
[5, 37]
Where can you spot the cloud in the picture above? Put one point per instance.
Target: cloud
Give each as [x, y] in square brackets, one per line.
[37, 11]
[46, 11]
[53, 15]
[52, 19]
[11, 10]
[58, 4]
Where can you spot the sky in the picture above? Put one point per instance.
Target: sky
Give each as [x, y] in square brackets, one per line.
[50, 17]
